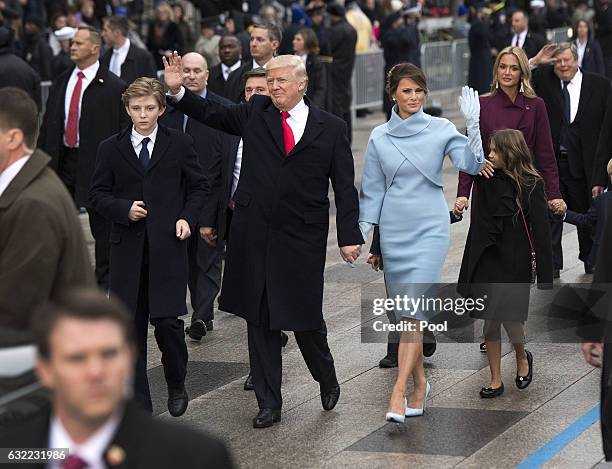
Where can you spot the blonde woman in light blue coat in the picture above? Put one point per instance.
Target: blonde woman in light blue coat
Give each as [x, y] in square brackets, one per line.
[401, 191]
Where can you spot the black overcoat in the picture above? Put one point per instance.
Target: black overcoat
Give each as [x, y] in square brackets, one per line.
[102, 115]
[138, 63]
[593, 111]
[281, 220]
[498, 252]
[173, 188]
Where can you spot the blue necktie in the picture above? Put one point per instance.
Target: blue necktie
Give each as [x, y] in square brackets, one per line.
[566, 103]
[144, 153]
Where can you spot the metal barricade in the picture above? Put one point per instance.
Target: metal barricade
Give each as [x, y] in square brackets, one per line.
[558, 35]
[45, 86]
[368, 82]
[437, 63]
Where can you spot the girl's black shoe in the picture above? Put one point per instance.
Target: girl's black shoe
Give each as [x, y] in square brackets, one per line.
[487, 393]
[523, 381]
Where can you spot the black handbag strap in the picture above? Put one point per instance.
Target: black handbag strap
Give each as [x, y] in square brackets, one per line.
[528, 232]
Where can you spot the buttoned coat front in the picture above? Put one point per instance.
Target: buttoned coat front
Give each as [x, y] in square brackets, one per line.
[173, 187]
[280, 224]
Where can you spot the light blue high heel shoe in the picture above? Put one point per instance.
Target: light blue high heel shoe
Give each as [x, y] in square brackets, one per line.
[396, 418]
[412, 412]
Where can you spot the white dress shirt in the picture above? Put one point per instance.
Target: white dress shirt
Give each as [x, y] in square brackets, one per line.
[256, 65]
[11, 171]
[236, 172]
[118, 57]
[581, 48]
[297, 120]
[91, 451]
[137, 141]
[227, 70]
[90, 73]
[573, 88]
[521, 38]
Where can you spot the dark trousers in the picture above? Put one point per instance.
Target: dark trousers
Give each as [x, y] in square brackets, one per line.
[204, 277]
[577, 196]
[170, 338]
[266, 361]
[100, 226]
[606, 401]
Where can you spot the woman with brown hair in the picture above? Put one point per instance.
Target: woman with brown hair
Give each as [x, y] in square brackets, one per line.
[306, 45]
[508, 246]
[590, 57]
[402, 175]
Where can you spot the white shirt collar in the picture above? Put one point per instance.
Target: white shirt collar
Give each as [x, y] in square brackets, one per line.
[124, 48]
[89, 72]
[91, 451]
[256, 65]
[137, 138]
[298, 109]
[231, 68]
[11, 171]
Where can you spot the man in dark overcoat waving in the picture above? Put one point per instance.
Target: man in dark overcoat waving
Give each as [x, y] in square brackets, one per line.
[274, 269]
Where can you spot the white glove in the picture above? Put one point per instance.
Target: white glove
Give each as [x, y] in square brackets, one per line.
[470, 106]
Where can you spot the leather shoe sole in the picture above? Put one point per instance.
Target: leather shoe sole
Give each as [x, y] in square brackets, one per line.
[329, 398]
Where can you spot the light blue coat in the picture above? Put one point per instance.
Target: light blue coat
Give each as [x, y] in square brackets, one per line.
[402, 192]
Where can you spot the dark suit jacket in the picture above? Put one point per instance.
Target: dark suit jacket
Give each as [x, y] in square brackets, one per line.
[587, 154]
[280, 224]
[138, 63]
[53, 256]
[591, 220]
[593, 58]
[147, 443]
[14, 71]
[173, 187]
[343, 39]
[234, 87]
[102, 115]
[214, 150]
[532, 45]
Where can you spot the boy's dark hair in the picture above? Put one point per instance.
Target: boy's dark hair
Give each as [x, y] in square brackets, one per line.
[82, 304]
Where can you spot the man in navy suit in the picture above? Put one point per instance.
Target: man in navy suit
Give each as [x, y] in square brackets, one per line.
[274, 267]
[149, 183]
[203, 249]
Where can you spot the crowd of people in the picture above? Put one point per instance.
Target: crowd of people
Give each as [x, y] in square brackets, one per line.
[231, 155]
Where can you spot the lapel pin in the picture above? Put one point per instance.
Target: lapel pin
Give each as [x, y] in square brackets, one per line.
[527, 107]
[101, 80]
[115, 455]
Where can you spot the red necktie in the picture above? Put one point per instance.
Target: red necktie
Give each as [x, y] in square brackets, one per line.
[72, 124]
[287, 134]
[73, 462]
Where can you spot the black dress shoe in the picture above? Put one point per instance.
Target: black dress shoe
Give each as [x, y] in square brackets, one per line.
[177, 400]
[589, 268]
[429, 348]
[209, 325]
[266, 418]
[523, 381]
[284, 339]
[329, 398]
[487, 393]
[197, 330]
[390, 361]
[248, 383]
[556, 273]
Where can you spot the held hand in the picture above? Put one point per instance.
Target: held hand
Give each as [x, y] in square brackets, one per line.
[182, 230]
[557, 206]
[593, 353]
[209, 235]
[596, 191]
[487, 170]
[137, 211]
[173, 72]
[545, 56]
[374, 261]
[350, 253]
[461, 204]
[469, 104]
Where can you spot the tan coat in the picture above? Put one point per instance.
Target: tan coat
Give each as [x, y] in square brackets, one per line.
[42, 248]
